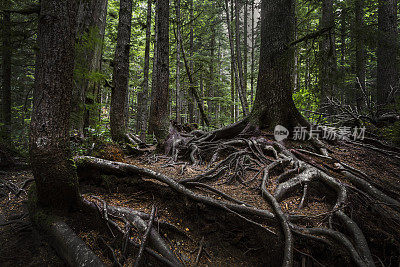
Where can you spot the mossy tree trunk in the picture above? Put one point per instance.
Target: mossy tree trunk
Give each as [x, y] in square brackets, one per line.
[158, 119]
[55, 175]
[143, 96]
[119, 93]
[273, 104]
[90, 29]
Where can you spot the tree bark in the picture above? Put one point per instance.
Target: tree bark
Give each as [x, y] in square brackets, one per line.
[90, 29]
[178, 63]
[387, 52]
[242, 87]
[327, 55]
[360, 52]
[143, 96]
[245, 50]
[52, 165]
[211, 88]
[234, 60]
[252, 54]
[6, 90]
[191, 52]
[273, 104]
[158, 120]
[119, 93]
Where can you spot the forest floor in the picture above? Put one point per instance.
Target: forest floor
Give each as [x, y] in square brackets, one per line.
[222, 238]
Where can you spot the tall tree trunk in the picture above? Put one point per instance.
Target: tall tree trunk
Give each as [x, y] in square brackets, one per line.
[6, 90]
[232, 72]
[178, 62]
[245, 50]
[327, 55]
[343, 50]
[143, 96]
[387, 52]
[343, 34]
[191, 48]
[211, 89]
[158, 120]
[360, 53]
[243, 89]
[252, 54]
[56, 179]
[234, 59]
[274, 104]
[119, 93]
[91, 23]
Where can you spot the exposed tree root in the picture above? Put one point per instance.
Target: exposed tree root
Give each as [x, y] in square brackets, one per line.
[285, 174]
[239, 156]
[127, 215]
[67, 244]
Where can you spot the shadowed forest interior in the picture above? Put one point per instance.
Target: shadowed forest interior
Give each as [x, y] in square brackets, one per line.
[200, 133]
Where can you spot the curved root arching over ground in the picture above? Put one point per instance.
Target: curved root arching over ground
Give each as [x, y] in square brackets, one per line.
[278, 173]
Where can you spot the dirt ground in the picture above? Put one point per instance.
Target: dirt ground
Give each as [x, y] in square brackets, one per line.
[225, 239]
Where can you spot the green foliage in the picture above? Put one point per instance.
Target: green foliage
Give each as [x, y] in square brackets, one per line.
[392, 132]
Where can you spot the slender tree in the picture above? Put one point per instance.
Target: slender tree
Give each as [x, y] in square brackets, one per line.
[239, 61]
[191, 52]
[234, 59]
[6, 85]
[178, 62]
[252, 54]
[119, 93]
[360, 51]
[56, 180]
[387, 69]
[245, 46]
[143, 96]
[273, 104]
[327, 55]
[158, 120]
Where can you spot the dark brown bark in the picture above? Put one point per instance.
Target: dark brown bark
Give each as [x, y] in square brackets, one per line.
[119, 93]
[158, 120]
[360, 52]
[5, 131]
[191, 52]
[387, 52]
[91, 22]
[178, 63]
[51, 161]
[143, 96]
[274, 104]
[327, 55]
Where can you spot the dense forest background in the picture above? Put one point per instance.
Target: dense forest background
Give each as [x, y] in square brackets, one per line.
[336, 57]
[171, 133]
